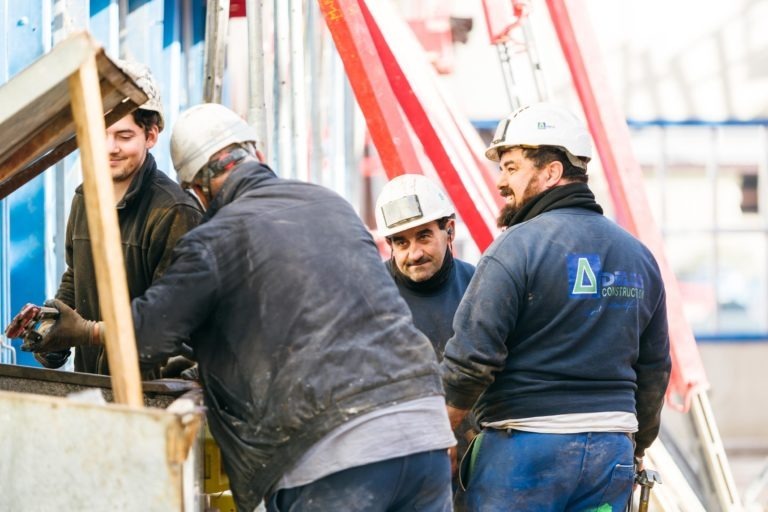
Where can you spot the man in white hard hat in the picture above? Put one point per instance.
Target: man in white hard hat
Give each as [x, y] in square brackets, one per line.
[417, 220]
[153, 213]
[561, 346]
[320, 392]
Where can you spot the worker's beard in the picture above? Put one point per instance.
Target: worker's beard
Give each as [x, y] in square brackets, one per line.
[510, 210]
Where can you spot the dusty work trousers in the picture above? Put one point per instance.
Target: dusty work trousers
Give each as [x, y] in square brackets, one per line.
[419, 482]
[527, 471]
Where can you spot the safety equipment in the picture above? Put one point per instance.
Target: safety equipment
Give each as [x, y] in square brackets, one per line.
[202, 131]
[141, 74]
[410, 200]
[543, 124]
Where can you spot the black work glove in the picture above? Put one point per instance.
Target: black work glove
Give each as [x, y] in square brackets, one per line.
[175, 366]
[52, 359]
[70, 330]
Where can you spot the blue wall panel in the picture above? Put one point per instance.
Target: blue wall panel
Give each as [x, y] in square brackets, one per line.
[23, 34]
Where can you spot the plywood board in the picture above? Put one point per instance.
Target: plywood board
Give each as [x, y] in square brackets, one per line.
[63, 455]
[35, 111]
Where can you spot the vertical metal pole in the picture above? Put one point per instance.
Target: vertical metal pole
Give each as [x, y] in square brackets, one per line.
[317, 76]
[122, 17]
[257, 104]
[533, 58]
[55, 181]
[216, 26]
[282, 151]
[298, 103]
[7, 352]
[505, 61]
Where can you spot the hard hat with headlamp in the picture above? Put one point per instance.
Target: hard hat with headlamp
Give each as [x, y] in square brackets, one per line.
[543, 124]
[408, 201]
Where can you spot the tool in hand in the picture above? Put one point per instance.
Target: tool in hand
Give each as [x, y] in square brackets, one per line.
[645, 479]
[32, 324]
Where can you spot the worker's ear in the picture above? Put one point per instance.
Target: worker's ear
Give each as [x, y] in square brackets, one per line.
[450, 227]
[553, 173]
[152, 134]
[260, 156]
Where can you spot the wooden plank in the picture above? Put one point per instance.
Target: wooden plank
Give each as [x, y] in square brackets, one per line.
[12, 178]
[35, 115]
[65, 455]
[216, 23]
[105, 235]
[50, 134]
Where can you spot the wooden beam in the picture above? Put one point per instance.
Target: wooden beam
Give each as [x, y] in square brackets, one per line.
[214, 54]
[12, 178]
[105, 235]
[35, 113]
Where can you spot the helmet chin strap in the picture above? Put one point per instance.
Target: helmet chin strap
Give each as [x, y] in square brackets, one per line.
[218, 166]
[206, 183]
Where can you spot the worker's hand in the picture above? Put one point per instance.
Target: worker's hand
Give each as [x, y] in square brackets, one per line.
[70, 330]
[453, 455]
[455, 416]
[192, 373]
[639, 466]
[175, 366]
[52, 359]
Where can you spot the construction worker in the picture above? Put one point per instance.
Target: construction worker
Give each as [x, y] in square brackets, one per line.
[561, 346]
[153, 213]
[320, 392]
[417, 220]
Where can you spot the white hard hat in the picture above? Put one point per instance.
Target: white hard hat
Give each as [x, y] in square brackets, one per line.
[543, 124]
[408, 201]
[202, 131]
[141, 74]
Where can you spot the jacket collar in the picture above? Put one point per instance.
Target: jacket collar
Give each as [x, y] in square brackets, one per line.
[143, 176]
[243, 178]
[431, 285]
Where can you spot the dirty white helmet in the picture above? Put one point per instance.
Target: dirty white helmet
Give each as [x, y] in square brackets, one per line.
[543, 124]
[141, 74]
[408, 201]
[202, 131]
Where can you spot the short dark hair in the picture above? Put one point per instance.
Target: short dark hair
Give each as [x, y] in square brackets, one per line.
[146, 119]
[544, 155]
[442, 222]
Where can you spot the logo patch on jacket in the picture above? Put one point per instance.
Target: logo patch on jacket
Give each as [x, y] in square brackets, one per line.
[583, 272]
[586, 280]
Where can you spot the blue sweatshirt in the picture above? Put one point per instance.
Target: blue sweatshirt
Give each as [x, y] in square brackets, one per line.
[433, 307]
[565, 314]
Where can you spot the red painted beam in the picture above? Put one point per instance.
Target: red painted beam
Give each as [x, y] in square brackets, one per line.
[371, 86]
[608, 126]
[436, 141]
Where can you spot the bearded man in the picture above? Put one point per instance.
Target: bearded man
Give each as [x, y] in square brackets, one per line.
[560, 344]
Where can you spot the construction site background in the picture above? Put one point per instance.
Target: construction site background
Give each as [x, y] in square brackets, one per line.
[689, 76]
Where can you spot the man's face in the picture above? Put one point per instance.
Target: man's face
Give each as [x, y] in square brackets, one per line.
[419, 252]
[518, 182]
[127, 146]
